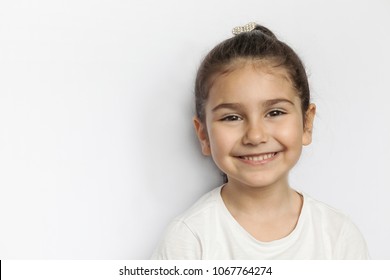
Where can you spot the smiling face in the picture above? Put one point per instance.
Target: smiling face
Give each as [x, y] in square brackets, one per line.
[254, 128]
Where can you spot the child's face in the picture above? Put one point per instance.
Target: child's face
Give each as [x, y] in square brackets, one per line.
[254, 126]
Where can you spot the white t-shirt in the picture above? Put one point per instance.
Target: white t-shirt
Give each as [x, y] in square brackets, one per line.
[208, 231]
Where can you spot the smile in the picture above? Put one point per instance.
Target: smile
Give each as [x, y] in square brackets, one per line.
[263, 158]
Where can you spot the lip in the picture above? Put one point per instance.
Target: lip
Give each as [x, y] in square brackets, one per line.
[258, 159]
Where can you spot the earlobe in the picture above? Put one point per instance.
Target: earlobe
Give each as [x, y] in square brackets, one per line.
[201, 132]
[308, 126]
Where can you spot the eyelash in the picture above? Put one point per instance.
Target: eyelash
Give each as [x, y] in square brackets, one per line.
[275, 113]
[270, 114]
[231, 118]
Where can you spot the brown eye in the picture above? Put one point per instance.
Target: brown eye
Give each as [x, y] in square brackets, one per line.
[275, 113]
[231, 118]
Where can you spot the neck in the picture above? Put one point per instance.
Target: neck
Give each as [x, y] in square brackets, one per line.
[256, 200]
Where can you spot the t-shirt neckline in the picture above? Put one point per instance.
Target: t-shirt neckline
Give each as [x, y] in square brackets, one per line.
[291, 237]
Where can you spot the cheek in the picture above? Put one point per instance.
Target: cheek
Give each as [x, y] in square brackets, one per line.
[290, 133]
[221, 140]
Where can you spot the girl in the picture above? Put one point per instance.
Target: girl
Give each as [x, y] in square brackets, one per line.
[253, 115]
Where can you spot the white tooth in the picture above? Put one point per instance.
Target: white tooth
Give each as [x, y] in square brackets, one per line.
[262, 157]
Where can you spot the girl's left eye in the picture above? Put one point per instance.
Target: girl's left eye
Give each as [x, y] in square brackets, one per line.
[275, 113]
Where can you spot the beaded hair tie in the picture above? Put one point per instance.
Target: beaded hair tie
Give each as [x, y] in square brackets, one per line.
[245, 28]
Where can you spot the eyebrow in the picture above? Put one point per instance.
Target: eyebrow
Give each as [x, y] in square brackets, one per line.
[271, 102]
[236, 106]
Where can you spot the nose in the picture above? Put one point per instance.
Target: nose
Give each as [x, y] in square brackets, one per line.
[255, 134]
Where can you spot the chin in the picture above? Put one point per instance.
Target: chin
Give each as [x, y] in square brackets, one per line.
[253, 183]
[258, 181]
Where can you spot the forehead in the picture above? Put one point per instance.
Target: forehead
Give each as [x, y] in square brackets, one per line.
[260, 65]
[252, 82]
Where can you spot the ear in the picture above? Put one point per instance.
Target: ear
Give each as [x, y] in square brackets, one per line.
[308, 125]
[201, 132]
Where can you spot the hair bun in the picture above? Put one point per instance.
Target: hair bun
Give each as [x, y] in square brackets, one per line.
[265, 31]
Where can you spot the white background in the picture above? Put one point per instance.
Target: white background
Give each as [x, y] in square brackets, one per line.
[97, 149]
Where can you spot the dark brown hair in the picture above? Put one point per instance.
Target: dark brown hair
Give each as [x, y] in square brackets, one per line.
[259, 44]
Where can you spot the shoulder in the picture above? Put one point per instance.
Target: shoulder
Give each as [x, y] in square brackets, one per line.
[345, 237]
[181, 238]
[320, 210]
[205, 206]
[326, 216]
